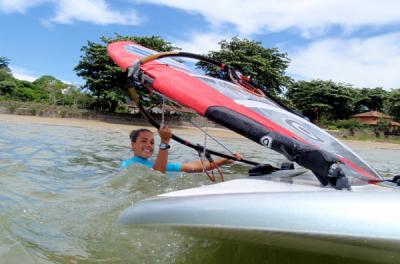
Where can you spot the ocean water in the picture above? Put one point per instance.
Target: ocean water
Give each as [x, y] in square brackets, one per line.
[61, 192]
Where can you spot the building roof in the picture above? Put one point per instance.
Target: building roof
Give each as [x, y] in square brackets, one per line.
[394, 123]
[373, 114]
[374, 122]
[373, 118]
[370, 122]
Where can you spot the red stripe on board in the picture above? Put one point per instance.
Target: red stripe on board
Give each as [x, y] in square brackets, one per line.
[356, 167]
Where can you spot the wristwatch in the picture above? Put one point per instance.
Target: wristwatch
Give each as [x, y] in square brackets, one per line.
[164, 146]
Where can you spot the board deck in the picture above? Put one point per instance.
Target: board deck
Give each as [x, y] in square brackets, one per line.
[280, 214]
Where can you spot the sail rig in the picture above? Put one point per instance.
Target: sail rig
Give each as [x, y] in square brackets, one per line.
[235, 107]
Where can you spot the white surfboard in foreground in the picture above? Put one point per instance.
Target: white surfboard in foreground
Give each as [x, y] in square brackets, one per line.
[361, 224]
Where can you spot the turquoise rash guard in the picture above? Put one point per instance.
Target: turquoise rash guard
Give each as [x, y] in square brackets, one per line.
[149, 164]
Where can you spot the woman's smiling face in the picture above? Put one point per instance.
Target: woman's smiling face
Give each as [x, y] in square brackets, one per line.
[144, 145]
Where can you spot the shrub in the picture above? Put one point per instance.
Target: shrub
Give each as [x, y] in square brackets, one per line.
[331, 127]
[63, 113]
[121, 109]
[12, 107]
[350, 124]
[33, 111]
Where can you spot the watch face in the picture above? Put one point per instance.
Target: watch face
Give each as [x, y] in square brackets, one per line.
[164, 146]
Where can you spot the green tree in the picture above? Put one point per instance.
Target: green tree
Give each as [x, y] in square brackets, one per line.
[266, 66]
[7, 82]
[26, 91]
[382, 126]
[370, 99]
[5, 74]
[50, 89]
[19, 89]
[7, 86]
[319, 98]
[103, 78]
[4, 63]
[76, 97]
[392, 104]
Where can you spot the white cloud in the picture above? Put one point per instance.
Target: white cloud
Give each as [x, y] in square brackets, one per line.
[23, 74]
[371, 62]
[19, 6]
[29, 75]
[94, 11]
[69, 11]
[201, 43]
[308, 16]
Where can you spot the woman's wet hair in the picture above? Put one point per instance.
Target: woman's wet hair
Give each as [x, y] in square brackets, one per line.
[135, 133]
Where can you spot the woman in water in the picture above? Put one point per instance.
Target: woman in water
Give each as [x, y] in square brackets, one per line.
[142, 144]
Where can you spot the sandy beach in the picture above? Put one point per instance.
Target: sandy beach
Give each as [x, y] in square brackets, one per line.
[105, 126]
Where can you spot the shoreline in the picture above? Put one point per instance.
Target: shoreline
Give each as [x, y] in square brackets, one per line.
[108, 126]
[102, 126]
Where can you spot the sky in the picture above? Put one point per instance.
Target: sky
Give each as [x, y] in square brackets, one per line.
[350, 41]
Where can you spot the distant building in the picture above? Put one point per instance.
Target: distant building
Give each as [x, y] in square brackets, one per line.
[372, 118]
